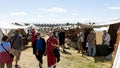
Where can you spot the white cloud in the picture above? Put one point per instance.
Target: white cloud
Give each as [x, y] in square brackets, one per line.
[114, 8]
[55, 10]
[18, 13]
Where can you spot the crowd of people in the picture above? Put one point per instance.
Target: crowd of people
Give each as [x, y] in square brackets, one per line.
[49, 48]
[88, 46]
[10, 48]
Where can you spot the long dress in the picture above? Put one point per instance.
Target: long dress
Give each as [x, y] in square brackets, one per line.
[50, 54]
[33, 42]
[33, 37]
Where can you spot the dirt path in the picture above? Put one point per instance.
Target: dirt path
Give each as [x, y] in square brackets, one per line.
[70, 60]
[73, 60]
[28, 60]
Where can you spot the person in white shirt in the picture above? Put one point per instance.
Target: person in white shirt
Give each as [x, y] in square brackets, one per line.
[81, 42]
[106, 38]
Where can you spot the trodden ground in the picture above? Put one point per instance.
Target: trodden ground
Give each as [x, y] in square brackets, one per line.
[72, 59]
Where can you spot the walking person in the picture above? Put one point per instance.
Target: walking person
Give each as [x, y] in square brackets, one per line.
[40, 46]
[33, 37]
[62, 39]
[33, 40]
[16, 45]
[5, 49]
[91, 43]
[52, 43]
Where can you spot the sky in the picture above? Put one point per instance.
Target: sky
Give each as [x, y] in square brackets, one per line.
[59, 11]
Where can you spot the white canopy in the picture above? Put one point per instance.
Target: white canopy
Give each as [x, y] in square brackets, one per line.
[5, 25]
[101, 29]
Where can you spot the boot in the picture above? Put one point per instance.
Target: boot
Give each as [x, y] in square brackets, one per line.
[58, 59]
[40, 65]
[54, 66]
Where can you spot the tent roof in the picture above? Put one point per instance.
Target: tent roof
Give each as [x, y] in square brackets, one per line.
[5, 25]
[101, 29]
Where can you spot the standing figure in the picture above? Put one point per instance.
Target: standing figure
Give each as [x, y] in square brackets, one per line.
[40, 46]
[91, 43]
[81, 42]
[16, 45]
[5, 58]
[106, 38]
[33, 36]
[52, 43]
[62, 39]
[33, 40]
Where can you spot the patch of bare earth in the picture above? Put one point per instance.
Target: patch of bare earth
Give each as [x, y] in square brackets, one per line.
[71, 59]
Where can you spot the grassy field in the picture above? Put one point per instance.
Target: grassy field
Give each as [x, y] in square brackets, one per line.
[76, 60]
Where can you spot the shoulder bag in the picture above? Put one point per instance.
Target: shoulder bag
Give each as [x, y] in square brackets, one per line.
[11, 55]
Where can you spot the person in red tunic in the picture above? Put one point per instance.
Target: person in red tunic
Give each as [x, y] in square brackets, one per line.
[52, 43]
[33, 40]
[33, 36]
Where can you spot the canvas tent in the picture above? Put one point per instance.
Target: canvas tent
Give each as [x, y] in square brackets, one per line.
[101, 29]
[5, 25]
[116, 63]
[113, 32]
[99, 32]
[7, 29]
[1, 34]
[22, 31]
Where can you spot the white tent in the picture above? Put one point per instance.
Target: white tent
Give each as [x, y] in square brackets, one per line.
[99, 33]
[116, 63]
[101, 29]
[6, 27]
[1, 34]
